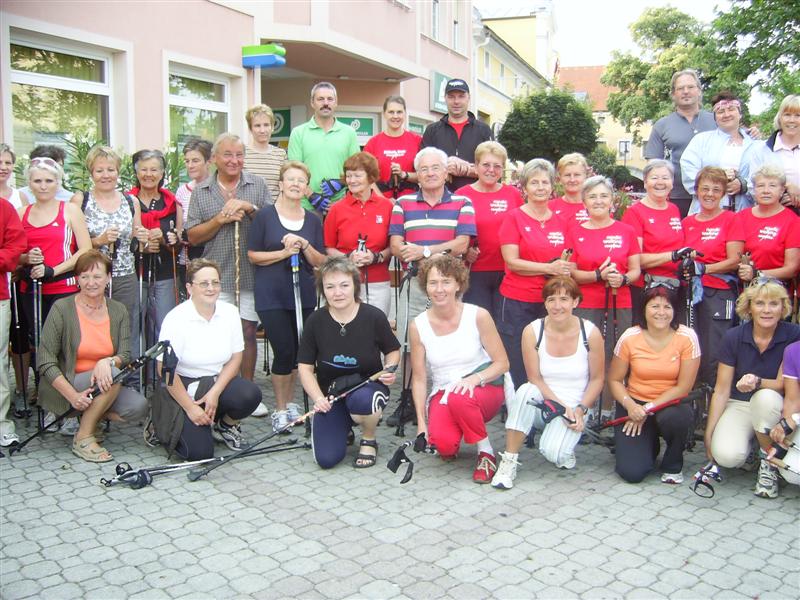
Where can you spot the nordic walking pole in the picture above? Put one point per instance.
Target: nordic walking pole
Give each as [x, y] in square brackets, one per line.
[141, 313]
[237, 259]
[362, 247]
[112, 254]
[298, 316]
[174, 265]
[26, 411]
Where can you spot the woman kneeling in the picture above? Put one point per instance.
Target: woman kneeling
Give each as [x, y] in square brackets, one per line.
[85, 340]
[344, 342]
[459, 344]
[660, 360]
[207, 398]
[565, 361]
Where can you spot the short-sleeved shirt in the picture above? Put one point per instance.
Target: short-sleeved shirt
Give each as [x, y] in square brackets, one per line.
[660, 230]
[653, 373]
[267, 165]
[711, 238]
[738, 350]
[572, 213]
[420, 223]
[767, 238]
[791, 361]
[350, 218]
[359, 351]
[202, 346]
[669, 138]
[205, 204]
[401, 150]
[592, 247]
[537, 242]
[491, 209]
[323, 152]
[273, 283]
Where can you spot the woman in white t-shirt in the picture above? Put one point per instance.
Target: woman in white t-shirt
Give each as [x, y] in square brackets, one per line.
[565, 361]
[206, 337]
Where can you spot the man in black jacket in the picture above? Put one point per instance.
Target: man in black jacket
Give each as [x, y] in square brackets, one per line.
[458, 133]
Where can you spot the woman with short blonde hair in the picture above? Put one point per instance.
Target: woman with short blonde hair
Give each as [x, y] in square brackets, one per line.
[261, 157]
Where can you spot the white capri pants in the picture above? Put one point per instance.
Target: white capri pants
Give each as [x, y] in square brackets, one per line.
[380, 296]
[558, 441]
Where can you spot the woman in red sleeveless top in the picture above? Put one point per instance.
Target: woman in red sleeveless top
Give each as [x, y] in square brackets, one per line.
[57, 236]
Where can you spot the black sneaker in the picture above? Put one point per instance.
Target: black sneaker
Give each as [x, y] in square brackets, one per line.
[409, 414]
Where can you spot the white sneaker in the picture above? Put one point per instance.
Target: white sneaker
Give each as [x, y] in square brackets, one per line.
[49, 419]
[280, 421]
[767, 481]
[9, 438]
[260, 411]
[69, 427]
[673, 478]
[506, 472]
[569, 462]
[293, 410]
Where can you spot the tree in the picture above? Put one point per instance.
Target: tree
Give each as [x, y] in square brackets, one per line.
[548, 124]
[603, 161]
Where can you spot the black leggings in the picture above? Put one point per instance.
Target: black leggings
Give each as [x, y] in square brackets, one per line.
[636, 456]
[238, 400]
[280, 327]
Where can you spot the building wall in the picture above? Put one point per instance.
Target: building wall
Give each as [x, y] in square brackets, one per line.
[519, 33]
[612, 132]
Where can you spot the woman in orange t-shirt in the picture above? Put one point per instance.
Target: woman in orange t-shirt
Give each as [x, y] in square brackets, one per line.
[660, 360]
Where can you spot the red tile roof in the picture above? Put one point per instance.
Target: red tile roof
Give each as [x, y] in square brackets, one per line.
[585, 80]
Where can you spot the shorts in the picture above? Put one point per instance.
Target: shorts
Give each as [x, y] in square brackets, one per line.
[247, 304]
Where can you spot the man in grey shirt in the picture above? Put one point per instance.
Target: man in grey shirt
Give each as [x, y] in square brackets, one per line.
[229, 196]
[671, 134]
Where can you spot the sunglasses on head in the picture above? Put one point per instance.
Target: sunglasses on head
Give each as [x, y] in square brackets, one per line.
[44, 160]
[651, 285]
[765, 279]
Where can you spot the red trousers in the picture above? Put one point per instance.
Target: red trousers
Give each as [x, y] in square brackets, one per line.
[462, 417]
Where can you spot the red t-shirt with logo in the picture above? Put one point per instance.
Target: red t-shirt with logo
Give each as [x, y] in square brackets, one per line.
[401, 150]
[571, 213]
[767, 238]
[537, 242]
[660, 230]
[591, 247]
[491, 209]
[711, 238]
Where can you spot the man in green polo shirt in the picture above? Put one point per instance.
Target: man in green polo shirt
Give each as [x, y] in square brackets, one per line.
[323, 144]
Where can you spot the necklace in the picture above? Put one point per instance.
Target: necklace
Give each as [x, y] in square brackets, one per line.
[90, 306]
[230, 193]
[342, 328]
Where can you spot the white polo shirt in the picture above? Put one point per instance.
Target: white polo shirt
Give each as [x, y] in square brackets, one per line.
[202, 346]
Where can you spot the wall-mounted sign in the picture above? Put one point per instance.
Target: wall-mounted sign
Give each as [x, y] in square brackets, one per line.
[264, 56]
[283, 123]
[438, 83]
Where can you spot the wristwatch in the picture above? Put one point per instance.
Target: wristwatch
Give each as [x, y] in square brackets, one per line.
[426, 252]
[584, 410]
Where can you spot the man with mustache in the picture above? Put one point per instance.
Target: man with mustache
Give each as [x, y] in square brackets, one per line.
[323, 144]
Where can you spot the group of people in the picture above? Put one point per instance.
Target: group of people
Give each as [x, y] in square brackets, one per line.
[510, 296]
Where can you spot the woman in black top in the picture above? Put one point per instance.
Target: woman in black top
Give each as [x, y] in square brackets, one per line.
[343, 342]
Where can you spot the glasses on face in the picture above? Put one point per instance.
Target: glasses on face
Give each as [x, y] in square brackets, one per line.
[205, 285]
[431, 169]
[232, 155]
[491, 166]
[605, 196]
[300, 180]
[686, 88]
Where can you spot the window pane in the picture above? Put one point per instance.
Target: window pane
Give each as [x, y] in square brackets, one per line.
[44, 115]
[195, 88]
[48, 62]
[191, 122]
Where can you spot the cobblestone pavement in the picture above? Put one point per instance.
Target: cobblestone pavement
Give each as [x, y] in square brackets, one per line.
[277, 526]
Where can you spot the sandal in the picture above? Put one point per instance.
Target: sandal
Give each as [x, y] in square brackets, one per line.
[364, 461]
[83, 449]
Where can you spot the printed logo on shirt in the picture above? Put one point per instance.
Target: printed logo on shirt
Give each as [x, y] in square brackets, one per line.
[394, 153]
[379, 219]
[612, 242]
[498, 206]
[528, 229]
[651, 220]
[768, 233]
[556, 238]
[675, 223]
[581, 216]
[342, 361]
[710, 234]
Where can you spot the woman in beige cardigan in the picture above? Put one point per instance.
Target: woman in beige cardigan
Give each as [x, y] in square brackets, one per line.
[85, 341]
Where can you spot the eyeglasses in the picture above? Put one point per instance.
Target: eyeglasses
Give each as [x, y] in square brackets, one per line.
[43, 160]
[764, 280]
[205, 285]
[431, 169]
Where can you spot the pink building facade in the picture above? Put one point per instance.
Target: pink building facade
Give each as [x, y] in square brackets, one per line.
[151, 74]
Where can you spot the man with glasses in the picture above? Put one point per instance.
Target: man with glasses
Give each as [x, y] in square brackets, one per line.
[457, 134]
[432, 221]
[230, 196]
[671, 134]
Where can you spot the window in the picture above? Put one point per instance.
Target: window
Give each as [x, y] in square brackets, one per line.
[56, 92]
[502, 76]
[435, 19]
[199, 106]
[456, 36]
[487, 61]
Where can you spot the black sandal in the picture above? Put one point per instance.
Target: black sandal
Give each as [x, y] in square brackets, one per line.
[367, 460]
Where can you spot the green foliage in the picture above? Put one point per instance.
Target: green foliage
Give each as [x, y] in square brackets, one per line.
[603, 161]
[548, 124]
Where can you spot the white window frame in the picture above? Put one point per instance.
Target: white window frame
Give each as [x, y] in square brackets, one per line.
[435, 19]
[182, 70]
[64, 83]
[487, 64]
[502, 76]
[456, 37]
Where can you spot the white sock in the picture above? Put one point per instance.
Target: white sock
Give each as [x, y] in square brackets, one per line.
[485, 445]
[512, 456]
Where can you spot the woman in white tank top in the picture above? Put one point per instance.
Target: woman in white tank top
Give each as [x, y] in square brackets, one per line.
[564, 360]
[459, 345]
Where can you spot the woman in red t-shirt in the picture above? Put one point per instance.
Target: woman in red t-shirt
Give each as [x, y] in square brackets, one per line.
[572, 172]
[657, 223]
[771, 231]
[395, 150]
[715, 233]
[532, 242]
[492, 201]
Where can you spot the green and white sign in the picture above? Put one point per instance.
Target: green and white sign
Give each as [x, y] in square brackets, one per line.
[416, 127]
[438, 83]
[364, 125]
[283, 123]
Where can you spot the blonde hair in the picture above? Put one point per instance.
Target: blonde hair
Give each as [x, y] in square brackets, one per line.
[770, 290]
[491, 147]
[102, 152]
[259, 109]
[573, 158]
[790, 103]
